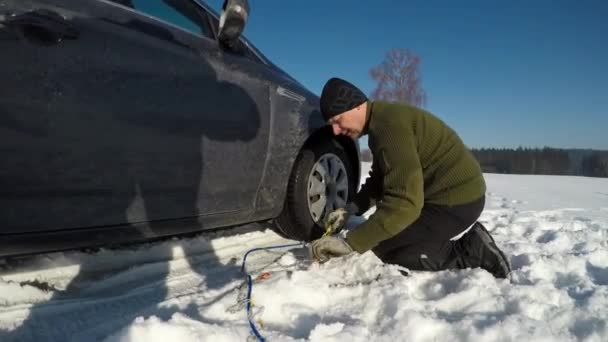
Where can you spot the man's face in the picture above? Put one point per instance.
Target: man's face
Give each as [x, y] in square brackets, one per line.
[349, 123]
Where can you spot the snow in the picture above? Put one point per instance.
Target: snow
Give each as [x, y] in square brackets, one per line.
[553, 228]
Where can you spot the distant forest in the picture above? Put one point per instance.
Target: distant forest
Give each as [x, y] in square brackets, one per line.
[538, 161]
[545, 161]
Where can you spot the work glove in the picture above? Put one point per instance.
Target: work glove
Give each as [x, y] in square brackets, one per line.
[336, 220]
[329, 247]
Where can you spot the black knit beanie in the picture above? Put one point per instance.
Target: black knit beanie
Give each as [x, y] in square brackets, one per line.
[339, 96]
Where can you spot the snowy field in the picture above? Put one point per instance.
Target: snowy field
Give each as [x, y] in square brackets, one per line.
[553, 228]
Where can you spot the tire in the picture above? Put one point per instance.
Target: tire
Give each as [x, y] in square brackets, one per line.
[304, 209]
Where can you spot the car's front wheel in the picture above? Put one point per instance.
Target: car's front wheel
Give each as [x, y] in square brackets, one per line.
[321, 181]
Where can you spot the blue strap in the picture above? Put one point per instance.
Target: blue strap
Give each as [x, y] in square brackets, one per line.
[255, 331]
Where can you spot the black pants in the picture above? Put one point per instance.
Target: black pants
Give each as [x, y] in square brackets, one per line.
[426, 244]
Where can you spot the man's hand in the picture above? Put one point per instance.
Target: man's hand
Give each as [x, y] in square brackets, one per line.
[329, 247]
[336, 220]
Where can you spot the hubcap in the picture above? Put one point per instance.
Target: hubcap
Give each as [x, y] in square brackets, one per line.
[327, 186]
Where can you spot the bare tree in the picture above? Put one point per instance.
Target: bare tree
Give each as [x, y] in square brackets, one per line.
[398, 78]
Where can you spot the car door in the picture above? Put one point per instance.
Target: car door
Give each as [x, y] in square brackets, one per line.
[107, 112]
[245, 161]
[234, 123]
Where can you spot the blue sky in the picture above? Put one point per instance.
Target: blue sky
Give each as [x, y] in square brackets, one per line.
[501, 73]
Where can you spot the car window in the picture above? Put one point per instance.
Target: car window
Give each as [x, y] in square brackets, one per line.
[183, 14]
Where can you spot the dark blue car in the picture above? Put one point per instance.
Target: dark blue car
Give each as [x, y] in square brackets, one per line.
[129, 120]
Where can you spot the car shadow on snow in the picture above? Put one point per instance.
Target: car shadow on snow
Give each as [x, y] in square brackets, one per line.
[115, 286]
[112, 288]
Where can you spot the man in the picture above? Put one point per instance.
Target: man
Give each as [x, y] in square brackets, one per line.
[426, 185]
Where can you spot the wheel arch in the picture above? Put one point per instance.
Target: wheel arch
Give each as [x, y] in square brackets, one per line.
[293, 222]
[282, 160]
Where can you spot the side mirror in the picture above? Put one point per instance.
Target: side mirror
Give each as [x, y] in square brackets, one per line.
[232, 21]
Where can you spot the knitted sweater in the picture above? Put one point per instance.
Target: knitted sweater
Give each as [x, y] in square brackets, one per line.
[417, 159]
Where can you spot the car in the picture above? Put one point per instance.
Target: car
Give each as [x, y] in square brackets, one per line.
[129, 120]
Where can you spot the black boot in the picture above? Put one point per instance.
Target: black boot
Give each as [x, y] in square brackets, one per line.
[477, 248]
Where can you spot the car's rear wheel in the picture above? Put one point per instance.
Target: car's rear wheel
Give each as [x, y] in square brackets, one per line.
[321, 181]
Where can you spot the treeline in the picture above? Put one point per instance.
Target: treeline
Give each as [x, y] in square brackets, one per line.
[537, 161]
[545, 161]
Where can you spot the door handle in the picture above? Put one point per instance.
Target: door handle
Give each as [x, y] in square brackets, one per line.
[42, 27]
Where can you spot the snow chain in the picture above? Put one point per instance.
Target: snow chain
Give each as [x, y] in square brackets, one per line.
[248, 301]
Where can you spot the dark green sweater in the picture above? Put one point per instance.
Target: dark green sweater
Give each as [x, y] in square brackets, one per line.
[417, 159]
